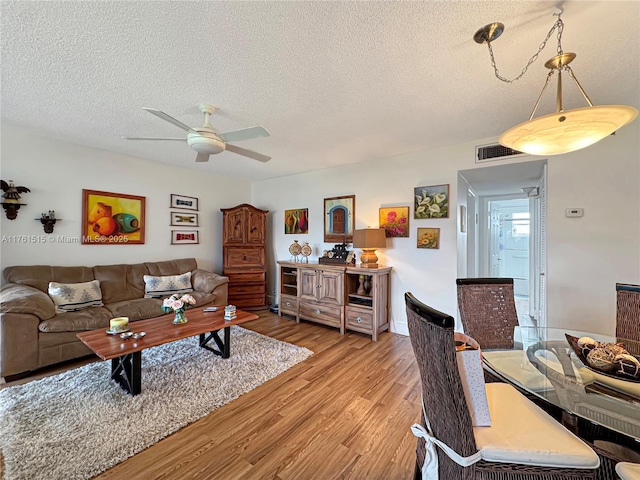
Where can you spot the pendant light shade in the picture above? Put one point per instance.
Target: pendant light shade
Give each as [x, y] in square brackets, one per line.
[567, 131]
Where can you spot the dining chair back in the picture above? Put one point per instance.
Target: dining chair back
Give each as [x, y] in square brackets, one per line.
[628, 311]
[488, 310]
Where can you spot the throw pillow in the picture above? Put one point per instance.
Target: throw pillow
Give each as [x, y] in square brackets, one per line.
[69, 297]
[155, 287]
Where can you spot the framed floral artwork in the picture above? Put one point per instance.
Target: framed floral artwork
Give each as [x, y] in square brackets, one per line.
[339, 219]
[180, 237]
[431, 202]
[296, 221]
[428, 238]
[395, 221]
[112, 218]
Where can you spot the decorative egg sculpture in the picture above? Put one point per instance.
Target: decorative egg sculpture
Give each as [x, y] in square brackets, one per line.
[128, 223]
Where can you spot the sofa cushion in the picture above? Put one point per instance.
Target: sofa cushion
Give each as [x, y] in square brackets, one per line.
[25, 299]
[165, 286]
[70, 297]
[39, 276]
[203, 299]
[121, 282]
[171, 267]
[136, 309]
[87, 319]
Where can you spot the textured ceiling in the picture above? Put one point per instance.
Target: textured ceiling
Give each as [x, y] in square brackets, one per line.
[334, 82]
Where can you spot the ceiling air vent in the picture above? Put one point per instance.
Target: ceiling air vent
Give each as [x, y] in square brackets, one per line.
[495, 151]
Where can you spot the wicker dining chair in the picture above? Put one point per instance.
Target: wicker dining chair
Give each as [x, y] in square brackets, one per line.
[444, 404]
[488, 310]
[628, 311]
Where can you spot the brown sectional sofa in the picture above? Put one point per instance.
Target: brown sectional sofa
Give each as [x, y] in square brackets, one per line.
[33, 335]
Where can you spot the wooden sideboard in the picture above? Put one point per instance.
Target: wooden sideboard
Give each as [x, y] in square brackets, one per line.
[333, 295]
[244, 255]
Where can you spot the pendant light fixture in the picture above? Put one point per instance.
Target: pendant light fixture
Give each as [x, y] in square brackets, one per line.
[565, 130]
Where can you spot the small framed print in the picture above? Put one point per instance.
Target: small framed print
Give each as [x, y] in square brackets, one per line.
[182, 219]
[428, 238]
[184, 203]
[181, 237]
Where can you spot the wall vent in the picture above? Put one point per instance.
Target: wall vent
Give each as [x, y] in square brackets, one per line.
[495, 151]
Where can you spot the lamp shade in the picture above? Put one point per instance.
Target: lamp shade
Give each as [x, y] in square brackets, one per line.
[369, 238]
[567, 131]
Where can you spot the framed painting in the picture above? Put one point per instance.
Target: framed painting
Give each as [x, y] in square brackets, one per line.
[395, 221]
[428, 238]
[112, 218]
[181, 219]
[181, 237]
[296, 221]
[431, 202]
[339, 219]
[184, 203]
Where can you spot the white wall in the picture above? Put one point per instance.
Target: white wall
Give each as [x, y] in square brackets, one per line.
[56, 172]
[586, 256]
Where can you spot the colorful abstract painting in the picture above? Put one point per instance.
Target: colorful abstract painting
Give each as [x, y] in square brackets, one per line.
[296, 221]
[395, 221]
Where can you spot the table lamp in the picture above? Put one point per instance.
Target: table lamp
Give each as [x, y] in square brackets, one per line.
[369, 239]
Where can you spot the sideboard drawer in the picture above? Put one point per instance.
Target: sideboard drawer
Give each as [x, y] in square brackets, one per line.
[359, 320]
[321, 313]
[288, 304]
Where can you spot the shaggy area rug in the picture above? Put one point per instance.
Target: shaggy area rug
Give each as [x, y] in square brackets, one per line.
[79, 423]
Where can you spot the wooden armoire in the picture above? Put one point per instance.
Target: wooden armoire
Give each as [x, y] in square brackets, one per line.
[244, 255]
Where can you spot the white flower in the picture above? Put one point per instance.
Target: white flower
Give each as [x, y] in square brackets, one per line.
[167, 302]
[440, 198]
[177, 304]
[186, 298]
[434, 208]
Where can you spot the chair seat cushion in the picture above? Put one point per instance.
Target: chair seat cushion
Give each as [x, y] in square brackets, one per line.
[628, 471]
[521, 432]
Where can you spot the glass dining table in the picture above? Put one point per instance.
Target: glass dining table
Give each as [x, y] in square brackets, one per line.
[597, 406]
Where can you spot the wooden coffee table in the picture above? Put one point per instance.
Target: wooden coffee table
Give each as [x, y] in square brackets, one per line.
[126, 355]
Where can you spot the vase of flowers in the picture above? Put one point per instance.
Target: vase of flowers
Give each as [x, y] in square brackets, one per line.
[178, 304]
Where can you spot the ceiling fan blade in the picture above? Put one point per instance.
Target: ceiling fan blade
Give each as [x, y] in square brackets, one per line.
[169, 119]
[155, 138]
[202, 157]
[247, 153]
[245, 134]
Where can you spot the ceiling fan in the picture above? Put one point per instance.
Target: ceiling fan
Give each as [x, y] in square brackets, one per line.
[206, 140]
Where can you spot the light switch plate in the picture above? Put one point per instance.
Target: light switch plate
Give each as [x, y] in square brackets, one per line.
[574, 212]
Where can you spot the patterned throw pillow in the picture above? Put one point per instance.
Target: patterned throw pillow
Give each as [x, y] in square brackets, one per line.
[69, 297]
[155, 287]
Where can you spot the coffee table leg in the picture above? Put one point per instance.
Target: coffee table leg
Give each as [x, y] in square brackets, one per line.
[127, 371]
[224, 347]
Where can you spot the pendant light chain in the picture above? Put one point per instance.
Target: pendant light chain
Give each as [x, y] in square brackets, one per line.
[558, 25]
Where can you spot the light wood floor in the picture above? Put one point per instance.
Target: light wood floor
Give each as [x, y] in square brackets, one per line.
[344, 413]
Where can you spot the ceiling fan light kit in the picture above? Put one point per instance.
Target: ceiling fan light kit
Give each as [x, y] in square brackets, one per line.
[563, 131]
[206, 140]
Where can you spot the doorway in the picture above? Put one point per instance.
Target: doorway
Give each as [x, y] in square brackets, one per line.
[506, 208]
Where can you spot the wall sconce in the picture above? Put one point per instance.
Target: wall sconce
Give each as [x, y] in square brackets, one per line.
[369, 239]
[11, 198]
[48, 220]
